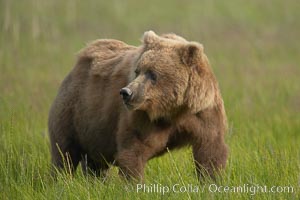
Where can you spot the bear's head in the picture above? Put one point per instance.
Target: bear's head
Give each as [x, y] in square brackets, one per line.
[170, 76]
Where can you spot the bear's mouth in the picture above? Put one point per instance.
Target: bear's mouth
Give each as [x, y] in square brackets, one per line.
[128, 105]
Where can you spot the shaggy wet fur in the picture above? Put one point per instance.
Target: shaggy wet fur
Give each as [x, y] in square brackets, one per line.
[175, 102]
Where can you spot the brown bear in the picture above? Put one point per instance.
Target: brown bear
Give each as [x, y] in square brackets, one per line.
[170, 98]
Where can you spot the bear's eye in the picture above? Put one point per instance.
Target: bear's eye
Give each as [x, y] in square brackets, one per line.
[152, 76]
[137, 72]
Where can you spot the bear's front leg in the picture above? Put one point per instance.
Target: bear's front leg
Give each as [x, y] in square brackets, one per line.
[136, 148]
[210, 158]
[131, 164]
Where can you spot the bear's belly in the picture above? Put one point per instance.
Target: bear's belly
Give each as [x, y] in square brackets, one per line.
[98, 140]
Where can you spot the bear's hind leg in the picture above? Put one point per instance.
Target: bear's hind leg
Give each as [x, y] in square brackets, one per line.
[98, 169]
[66, 155]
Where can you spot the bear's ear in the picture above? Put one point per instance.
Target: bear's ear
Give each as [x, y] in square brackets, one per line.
[191, 53]
[150, 37]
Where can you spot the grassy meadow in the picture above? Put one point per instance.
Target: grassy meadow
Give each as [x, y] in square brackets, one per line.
[254, 49]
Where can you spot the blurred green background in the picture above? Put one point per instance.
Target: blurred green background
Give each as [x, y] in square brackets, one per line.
[254, 49]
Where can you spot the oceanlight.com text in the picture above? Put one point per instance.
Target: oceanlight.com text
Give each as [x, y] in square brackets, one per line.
[251, 189]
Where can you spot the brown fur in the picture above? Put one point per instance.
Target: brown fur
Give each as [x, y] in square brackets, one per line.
[176, 101]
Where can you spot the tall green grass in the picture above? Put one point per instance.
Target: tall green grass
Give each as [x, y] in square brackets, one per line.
[253, 47]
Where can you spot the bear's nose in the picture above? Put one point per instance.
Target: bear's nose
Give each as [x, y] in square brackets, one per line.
[126, 94]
